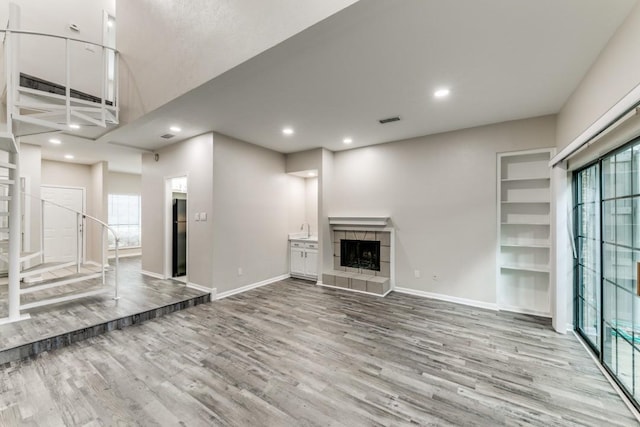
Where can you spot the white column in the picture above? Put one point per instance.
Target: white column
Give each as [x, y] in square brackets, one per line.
[562, 254]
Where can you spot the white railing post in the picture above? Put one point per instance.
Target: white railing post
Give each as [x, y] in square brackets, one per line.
[105, 77]
[115, 273]
[42, 231]
[79, 241]
[115, 102]
[103, 231]
[68, 81]
[8, 69]
[14, 240]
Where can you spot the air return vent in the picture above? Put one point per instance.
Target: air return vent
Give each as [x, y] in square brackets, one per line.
[389, 120]
[167, 136]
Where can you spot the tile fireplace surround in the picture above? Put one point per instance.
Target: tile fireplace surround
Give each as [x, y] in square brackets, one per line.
[358, 279]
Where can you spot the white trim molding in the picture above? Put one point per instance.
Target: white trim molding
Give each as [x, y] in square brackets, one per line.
[251, 286]
[152, 274]
[448, 298]
[622, 110]
[211, 291]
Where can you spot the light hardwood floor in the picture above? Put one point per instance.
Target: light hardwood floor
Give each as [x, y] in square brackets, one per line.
[294, 354]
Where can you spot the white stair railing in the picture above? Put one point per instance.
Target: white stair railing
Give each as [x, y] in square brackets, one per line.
[56, 111]
[80, 226]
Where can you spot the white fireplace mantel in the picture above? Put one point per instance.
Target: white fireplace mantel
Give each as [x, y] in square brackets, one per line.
[370, 221]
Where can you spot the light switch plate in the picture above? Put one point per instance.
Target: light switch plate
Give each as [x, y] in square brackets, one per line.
[203, 216]
[197, 216]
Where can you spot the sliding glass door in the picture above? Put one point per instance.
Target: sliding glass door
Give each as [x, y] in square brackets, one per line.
[607, 222]
[587, 212]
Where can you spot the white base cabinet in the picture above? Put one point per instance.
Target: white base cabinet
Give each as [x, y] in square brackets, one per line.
[304, 259]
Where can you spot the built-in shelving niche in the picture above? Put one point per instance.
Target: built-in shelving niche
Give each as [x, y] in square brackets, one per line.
[524, 231]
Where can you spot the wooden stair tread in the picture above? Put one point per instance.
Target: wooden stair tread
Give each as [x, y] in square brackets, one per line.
[66, 297]
[57, 282]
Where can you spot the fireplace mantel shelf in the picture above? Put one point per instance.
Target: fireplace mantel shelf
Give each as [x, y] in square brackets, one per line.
[378, 221]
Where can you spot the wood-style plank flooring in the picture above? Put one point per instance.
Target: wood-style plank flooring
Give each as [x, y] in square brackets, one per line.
[294, 354]
[138, 293]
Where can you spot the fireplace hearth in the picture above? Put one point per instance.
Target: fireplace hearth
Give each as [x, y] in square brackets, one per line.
[364, 254]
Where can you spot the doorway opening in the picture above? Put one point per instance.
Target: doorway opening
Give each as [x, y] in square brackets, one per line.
[176, 232]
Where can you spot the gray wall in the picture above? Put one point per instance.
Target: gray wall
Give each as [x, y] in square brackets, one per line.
[124, 183]
[193, 158]
[611, 77]
[440, 192]
[250, 213]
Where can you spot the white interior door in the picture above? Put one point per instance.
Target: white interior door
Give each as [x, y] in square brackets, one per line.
[60, 225]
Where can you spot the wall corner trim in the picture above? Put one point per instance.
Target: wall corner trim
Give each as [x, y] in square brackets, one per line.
[152, 274]
[448, 298]
[251, 286]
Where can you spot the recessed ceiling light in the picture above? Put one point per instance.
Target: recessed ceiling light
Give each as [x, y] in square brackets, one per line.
[68, 156]
[110, 23]
[347, 140]
[441, 93]
[311, 174]
[55, 141]
[175, 129]
[74, 126]
[287, 131]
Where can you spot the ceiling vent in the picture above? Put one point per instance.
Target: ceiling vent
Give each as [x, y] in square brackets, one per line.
[389, 120]
[167, 136]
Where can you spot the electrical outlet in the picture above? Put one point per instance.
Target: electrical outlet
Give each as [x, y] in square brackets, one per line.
[239, 271]
[435, 277]
[416, 273]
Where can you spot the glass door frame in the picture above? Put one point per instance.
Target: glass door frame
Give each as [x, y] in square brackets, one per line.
[598, 349]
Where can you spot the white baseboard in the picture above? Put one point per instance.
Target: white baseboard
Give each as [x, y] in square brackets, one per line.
[353, 290]
[131, 255]
[520, 310]
[211, 291]
[448, 298]
[92, 263]
[569, 327]
[152, 274]
[246, 288]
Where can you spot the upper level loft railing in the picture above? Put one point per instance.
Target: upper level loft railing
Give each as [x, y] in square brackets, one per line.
[58, 83]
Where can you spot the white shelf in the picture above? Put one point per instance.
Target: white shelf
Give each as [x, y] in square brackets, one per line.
[525, 202]
[532, 178]
[531, 268]
[524, 207]
[526, 245]
[525, 223]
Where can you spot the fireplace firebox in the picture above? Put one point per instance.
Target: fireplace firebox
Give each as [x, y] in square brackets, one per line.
[364, 254]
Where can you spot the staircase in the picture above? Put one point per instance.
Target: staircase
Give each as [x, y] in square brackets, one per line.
[33, 110]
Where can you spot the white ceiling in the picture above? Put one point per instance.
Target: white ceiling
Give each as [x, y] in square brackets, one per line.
[502, 60]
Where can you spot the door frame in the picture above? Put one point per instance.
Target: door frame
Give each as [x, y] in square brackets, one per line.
[83, 239]
[168, 226]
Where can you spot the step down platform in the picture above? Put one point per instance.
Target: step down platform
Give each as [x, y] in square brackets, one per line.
[142, 298]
